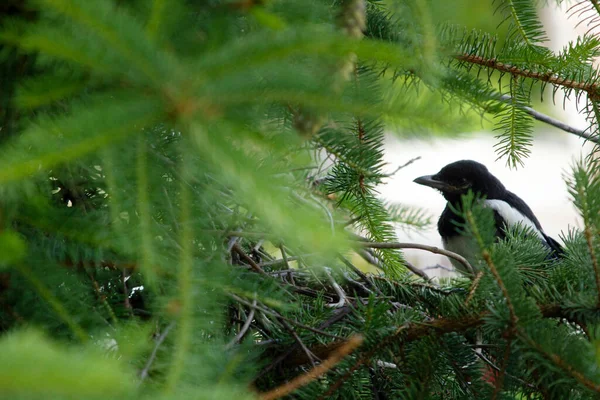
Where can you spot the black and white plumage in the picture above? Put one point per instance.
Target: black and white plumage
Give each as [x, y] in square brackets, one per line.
[460, 177]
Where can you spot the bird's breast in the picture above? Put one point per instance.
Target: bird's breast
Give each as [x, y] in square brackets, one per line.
[461, 245]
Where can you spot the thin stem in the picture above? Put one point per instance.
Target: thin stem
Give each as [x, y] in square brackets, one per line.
[277, 315]
[161, 338]
[308, 353]
[244, 328]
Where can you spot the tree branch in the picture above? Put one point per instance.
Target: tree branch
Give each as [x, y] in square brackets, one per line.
[431, 249]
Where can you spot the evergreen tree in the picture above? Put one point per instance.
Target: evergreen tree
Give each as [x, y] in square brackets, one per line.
[185, 187]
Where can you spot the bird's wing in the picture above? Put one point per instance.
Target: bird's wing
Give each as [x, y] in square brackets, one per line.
[557, 250]
[506, 215]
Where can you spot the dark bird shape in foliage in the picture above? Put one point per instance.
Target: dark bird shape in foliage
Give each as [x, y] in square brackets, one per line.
[460, 177]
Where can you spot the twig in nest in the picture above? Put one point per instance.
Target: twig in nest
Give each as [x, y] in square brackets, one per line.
[238, 249]
[340, 292]
[362, 275]
[316, 372]
[356, 283]
[245, 327]
[287, 264]
[312, 358]
[416, 271]
[279, 316]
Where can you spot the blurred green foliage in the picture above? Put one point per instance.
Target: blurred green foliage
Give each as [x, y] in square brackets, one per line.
[183, 183]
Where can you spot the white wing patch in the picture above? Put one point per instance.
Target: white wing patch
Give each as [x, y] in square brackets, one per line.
[511, 216]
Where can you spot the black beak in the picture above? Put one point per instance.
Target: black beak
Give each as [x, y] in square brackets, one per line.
[429, 180]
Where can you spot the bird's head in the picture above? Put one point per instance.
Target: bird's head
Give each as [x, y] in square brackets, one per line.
[458, 178]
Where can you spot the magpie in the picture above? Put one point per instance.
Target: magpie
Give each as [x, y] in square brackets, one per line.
[460, 177]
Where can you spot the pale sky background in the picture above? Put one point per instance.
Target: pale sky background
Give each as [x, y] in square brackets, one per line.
[540, 182]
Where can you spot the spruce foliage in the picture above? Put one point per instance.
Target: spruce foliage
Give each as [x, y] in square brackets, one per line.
[185, 188]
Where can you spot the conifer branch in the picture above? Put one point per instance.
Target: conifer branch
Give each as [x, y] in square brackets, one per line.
[589, 238]
[589, 235]
[488, 260]
[143, 208]
[417, 330]
[550, 77]
[560, 363]
[499, 382]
